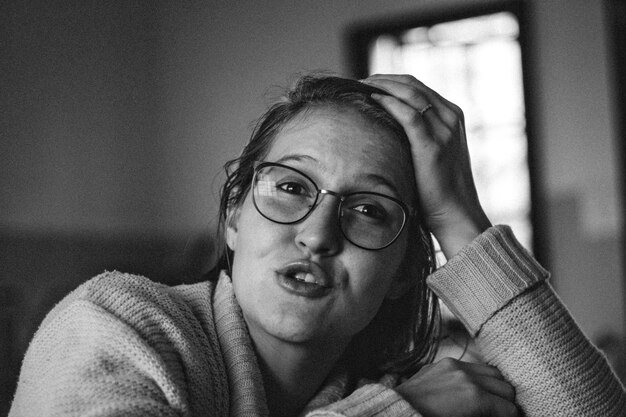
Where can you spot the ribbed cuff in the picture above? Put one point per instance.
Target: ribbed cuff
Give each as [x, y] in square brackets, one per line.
[369, 400]
[485, 275]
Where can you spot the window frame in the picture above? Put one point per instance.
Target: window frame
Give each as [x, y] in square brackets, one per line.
[359, 36]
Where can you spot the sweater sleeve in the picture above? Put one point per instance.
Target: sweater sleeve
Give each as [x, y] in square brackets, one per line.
[500, 293]
[369, 400]
[118, 345]
[85, 361]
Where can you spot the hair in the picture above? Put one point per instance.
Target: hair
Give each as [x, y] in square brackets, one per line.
[403, 335]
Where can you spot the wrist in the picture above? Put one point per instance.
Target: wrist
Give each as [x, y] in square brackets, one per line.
[405, 392]
[457, 232]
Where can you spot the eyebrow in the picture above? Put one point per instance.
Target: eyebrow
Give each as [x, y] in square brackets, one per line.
[295, 157]
[376, 178]
[382, 180]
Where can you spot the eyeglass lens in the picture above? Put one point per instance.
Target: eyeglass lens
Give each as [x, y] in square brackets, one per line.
[368, 220]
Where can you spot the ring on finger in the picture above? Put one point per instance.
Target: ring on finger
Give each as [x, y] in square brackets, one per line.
[425, 109]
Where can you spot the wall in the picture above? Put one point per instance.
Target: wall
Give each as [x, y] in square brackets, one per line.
[117, 117]
[580, 162]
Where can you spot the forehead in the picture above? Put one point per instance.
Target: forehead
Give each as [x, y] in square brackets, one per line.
[344, 144]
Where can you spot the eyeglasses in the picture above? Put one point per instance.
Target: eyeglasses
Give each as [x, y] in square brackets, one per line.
[368, 220]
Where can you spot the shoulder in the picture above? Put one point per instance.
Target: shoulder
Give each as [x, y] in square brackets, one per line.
[132, 313]
[140, 303]
[122, 330]
[121, 291]
[114, 286]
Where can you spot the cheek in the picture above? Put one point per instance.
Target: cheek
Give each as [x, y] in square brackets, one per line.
[257, 236]
[256, 252]
[373, 275]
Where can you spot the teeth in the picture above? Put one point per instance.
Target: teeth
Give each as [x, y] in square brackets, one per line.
[306, 277]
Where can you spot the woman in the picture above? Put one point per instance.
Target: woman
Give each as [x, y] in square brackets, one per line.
[322, 306]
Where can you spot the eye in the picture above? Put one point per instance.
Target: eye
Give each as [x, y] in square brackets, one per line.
[292, 187]
[370, 210]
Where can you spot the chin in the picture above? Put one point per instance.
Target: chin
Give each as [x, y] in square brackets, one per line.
[290, 329]
[293, 330]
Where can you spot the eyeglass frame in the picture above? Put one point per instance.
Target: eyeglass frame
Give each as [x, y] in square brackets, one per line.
[406, 210]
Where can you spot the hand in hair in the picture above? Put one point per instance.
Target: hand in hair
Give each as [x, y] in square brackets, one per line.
[453, 388]
[435, 127]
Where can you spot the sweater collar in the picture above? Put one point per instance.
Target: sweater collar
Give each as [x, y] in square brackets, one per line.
[247, 394]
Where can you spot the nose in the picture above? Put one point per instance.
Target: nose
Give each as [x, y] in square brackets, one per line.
[320, 233]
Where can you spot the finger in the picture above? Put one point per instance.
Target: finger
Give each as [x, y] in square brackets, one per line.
[497, 387]
[481, 369]
[489, 378]
[413, 122]
[417, 94]
[411, 80]
[471, 368]
[411, 93]
[492, 405]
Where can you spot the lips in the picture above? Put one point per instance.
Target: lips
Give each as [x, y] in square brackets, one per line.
[304, 278]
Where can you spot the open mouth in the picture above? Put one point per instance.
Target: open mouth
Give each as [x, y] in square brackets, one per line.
[304, 279]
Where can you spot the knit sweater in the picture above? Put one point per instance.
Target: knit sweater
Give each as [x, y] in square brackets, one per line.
[123, 345]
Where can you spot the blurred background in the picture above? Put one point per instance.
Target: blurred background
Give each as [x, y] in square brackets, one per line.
[117, 116]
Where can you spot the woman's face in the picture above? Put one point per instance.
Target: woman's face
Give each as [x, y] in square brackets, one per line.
[343, 152]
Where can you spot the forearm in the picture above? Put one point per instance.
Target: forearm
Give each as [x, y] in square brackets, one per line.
[369, 400]
[537, 345]
[521, 327]
[86, 361]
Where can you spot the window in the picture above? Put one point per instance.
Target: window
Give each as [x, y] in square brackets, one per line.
[476, 62]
